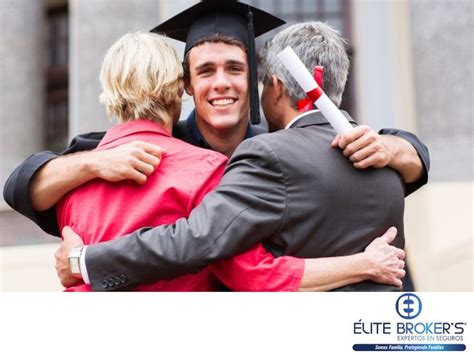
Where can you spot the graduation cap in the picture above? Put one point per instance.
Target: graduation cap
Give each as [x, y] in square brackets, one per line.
[229, 18]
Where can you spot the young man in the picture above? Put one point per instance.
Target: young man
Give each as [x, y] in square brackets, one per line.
[289, 190]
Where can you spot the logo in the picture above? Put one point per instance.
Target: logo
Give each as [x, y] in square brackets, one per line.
[409, 334]
[408, 306]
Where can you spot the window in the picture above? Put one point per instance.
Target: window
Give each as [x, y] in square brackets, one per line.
[56, 115]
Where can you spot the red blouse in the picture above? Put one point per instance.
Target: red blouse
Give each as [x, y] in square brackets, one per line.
[100, 211]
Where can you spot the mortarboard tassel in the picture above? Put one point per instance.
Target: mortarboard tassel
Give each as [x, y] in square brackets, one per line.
[253, 80]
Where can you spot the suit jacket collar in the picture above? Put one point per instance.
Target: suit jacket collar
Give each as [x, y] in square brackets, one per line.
[316, 118]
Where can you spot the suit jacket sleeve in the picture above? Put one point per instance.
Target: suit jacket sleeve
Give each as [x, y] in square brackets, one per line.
[16, 190]
[422, 151]
[248, 206]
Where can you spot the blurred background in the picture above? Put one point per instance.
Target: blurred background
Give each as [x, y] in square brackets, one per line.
[412, 68]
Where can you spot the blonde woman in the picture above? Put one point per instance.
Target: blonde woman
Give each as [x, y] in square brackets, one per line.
[142, 85]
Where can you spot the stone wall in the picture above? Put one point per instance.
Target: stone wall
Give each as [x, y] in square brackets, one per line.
[442, 39]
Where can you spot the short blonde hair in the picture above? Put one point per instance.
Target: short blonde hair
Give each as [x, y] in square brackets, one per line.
[141, 77]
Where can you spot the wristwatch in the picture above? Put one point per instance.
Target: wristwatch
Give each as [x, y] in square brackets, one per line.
[74, 258]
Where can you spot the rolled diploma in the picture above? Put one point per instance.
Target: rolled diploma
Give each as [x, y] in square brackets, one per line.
[303, 77]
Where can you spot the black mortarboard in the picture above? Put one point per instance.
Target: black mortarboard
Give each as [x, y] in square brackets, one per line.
[229, 18]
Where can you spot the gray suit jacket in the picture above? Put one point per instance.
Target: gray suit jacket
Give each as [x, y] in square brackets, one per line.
[289, 190]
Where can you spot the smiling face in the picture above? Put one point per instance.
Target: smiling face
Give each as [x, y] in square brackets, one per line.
[219, 85]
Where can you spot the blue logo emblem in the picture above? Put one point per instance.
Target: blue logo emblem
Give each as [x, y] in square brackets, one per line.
[408, 306]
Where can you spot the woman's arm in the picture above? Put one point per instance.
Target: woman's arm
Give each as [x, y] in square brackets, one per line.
[258, 270]
[380, 262]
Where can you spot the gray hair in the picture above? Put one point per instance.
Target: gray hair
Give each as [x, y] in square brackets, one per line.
[315, 43]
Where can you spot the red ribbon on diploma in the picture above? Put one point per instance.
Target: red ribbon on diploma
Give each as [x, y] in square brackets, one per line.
[307, 104]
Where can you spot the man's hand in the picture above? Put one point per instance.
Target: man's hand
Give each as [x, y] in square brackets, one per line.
[386, 260]
[364, 147]
[71, 240]
[132, 161]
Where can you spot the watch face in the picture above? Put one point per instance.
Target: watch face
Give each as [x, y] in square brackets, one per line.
[74, 260]
[74, 265]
